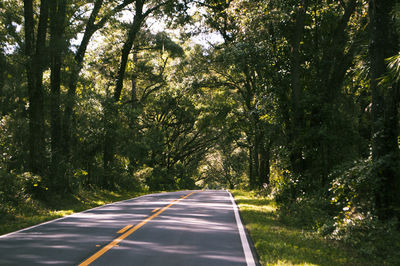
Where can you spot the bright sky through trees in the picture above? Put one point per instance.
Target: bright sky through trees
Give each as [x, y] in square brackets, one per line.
[295, 94]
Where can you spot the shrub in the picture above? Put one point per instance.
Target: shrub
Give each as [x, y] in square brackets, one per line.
[371, 237]
[16, 192]
[353, 191]
[298, 204]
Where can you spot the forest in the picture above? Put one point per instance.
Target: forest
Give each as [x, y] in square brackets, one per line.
[295, 99]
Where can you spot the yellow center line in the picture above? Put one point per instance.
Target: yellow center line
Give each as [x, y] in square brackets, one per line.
[156, 209]
[124, 229]
[115, 242]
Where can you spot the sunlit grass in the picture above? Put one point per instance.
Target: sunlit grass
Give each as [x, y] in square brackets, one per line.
[60, 206]
[22, 221]
[61, 213]
[279, 244]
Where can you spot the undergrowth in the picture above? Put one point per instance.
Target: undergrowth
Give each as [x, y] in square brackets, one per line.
[284, 242]
[26, 211]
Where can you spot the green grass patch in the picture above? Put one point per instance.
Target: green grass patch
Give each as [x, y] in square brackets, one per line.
[36, 212]
[280, 244]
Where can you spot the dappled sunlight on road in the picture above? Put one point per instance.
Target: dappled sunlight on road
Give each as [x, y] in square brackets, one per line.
[192, 228]
[190, 231]
[81, 231]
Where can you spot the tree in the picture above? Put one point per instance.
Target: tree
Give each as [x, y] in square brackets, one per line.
[243, 51]
[35, 51]
[385, 102]
[142, 10]
[57, 50]
[297, 113]
[93, 23]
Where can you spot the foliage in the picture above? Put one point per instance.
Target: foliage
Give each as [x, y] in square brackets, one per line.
[355, 221]
[280, 244]
[345, 212]
[373, 238]
[297, 98]
[32, 212]
[16, 192]
[353, 189]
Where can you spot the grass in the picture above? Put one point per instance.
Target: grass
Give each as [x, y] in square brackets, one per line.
[276, 243]
[34, 212]
[280, 244]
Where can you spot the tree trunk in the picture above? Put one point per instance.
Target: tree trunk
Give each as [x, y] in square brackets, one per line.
[57, 25]
[264, 165]
[252, 182]
[109, 141]
[256, 157]
[90, 29]
[134, 79]
[3, 66]
[385, 151]
[296, 111]
[110, 118]
[36, 58]
[74, 76]
[127, 48]
[333, 66]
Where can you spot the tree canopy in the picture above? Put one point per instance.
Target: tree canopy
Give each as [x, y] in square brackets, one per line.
[301, 97]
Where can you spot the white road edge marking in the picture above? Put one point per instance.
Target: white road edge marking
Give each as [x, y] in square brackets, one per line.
[245, 244]
[72, 215]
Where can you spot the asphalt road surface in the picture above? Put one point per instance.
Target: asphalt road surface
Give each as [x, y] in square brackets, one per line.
[180, 228]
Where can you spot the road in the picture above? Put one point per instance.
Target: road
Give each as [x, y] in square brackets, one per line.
[178, 228]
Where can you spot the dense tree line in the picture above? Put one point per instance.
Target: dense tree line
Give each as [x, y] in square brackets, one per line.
[318, 102]
[301, 97]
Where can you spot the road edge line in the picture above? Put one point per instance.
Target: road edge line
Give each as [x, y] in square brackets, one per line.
[243, 237]
[77, 213]
[70, 215]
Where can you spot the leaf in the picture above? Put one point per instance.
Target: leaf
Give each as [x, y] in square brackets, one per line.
[393, 65]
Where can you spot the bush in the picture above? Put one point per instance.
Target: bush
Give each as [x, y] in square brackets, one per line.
[300, 203]
[345, 211]
[16, 192]
[353, 191]
[371, 237]
[305, 212]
